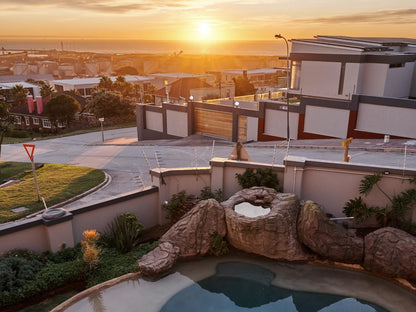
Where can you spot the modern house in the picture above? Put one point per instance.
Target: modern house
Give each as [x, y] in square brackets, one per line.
[85, 86]
[354, 86]
[340, 87]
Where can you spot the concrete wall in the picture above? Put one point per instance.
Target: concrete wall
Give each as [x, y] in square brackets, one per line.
[332, 184]
[399, 80]
[326, 121]
[172, 181]
[372, 80]
[223, 174]
[391, 120]
[252, 128]
[154, 121]
[275, 123]
[40, 235]
[177, 123]
[320, 78]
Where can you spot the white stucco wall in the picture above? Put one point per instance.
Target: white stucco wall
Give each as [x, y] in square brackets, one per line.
[252, 128]
[275, 123]
[326, 121]
[177, 123]
[399, 81]
[320, 78]
[154, 121]
[372, 79]
[352, 72]
[387, 120]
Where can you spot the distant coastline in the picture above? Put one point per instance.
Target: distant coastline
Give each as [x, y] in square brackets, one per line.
[261, 47]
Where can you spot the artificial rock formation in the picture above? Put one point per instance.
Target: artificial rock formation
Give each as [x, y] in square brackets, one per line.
[391, 252]
[159, 260]
[189, 237]
[273, 235]
[326, 238]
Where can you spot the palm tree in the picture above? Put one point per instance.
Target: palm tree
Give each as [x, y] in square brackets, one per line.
[19, 95]
[105, 83]
[46, 89]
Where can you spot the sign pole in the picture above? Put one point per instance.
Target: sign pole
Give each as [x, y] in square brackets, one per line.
[34, 177]
[346, 145]
[30, 149]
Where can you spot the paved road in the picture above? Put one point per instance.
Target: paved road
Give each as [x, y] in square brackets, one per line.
[128, 161]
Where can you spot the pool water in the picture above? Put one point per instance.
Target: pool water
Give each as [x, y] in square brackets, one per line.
[242, 282]
[247, 287]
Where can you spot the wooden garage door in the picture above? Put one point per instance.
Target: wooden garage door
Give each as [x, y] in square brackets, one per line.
[213, 122]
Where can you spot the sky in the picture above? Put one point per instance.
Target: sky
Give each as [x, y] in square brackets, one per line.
[205, 20]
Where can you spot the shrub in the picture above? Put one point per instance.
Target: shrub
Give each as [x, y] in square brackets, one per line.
[123, 232]
[394, 215]
[16, 272]
[259, 177]
[217, 245]
[178, 205]
[17, 134]
[113, 264]
[206, 193]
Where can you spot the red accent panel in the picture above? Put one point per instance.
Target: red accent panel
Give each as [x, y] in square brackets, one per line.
[30, 104]
[39, 104]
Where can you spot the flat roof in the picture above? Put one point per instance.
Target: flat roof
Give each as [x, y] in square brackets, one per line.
[178, 75]
[96, 80]
[250, 71]
[379, 40]
[9, 85]
[365, 47]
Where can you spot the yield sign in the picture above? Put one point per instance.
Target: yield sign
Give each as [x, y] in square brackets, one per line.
[30, 148]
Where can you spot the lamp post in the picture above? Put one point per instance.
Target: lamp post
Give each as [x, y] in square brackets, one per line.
[279, 36]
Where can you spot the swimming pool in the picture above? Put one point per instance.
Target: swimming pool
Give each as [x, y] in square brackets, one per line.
[246, 283]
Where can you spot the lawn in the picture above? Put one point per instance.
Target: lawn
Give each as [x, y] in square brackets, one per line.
[67, 132]
[57, 183]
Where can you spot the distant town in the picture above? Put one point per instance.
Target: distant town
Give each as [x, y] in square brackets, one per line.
[327, 87]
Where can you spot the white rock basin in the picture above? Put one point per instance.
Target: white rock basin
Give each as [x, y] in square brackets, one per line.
[249, 210]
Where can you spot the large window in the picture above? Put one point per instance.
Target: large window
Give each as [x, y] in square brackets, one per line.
[27, 121]
[295, 75]
[46, 123]
[341, 79]
[35, 121]
[18, 120]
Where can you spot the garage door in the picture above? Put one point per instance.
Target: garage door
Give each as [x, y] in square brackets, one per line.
[219, 123]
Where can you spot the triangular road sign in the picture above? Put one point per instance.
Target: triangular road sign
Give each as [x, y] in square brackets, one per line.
[239, 153]
[30, 149]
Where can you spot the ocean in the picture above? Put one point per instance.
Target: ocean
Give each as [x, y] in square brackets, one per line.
[261, 47]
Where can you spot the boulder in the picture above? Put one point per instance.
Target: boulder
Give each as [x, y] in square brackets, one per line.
[160, 260]
[188, 237]
[272, 235]
[326, 238]
[391, 252]
[191, 234]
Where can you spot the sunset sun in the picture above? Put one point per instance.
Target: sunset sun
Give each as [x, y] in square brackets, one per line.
[204, 30]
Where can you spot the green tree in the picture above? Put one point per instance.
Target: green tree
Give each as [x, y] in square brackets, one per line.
[122, 86]
[19, 95]
[62, 108]
[46, 89]
[6, 120]
[110, 105]
[243, 86]
[149, 96]
[105, 83]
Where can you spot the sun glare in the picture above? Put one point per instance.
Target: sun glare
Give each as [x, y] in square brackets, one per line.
[204, 30]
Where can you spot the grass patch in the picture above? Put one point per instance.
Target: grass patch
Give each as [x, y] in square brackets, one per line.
[10, 169]
[57, 183]
[67, 132]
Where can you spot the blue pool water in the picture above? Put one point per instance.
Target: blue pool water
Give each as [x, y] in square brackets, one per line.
[238, 286]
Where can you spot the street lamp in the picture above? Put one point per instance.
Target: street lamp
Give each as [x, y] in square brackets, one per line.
[279, 36]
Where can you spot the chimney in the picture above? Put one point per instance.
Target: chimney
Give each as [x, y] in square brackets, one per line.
[39, 104]
[30, 104]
